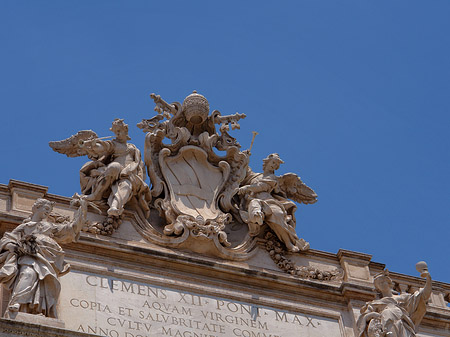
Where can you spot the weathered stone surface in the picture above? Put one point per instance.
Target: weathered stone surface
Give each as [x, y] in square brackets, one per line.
[37, 319]
[102, 303]
[38, 328]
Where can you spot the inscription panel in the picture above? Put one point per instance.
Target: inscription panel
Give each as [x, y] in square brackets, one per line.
[113, 307]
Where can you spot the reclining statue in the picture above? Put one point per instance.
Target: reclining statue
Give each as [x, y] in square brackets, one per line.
[265, 201]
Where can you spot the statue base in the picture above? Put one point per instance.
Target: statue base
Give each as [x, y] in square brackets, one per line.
[37, 319]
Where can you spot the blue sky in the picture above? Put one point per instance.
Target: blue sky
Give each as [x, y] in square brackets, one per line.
[353, 95]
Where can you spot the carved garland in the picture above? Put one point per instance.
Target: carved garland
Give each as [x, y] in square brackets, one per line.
[277, 252]
[107, 227]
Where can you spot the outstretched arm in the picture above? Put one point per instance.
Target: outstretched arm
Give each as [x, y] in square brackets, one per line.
[80, 216]
[255, 188]
[426, 291]
[97, 147]
[69, 231]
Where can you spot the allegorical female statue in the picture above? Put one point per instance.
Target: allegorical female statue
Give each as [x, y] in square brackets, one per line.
[31, 259]
[265, 201]
[394, 315]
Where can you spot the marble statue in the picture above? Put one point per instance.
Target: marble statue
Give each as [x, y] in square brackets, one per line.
[115, 175]
[31, 259]
[394, 315]
[265, 201]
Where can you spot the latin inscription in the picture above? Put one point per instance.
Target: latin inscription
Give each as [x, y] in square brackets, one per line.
[117, 308]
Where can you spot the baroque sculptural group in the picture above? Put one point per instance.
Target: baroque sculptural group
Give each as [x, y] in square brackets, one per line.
[202, 196]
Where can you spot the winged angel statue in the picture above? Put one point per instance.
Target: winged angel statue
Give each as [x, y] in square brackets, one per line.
[265, 201]
[115, 174]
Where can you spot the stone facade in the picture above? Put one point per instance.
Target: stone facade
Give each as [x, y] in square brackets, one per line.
[124, 285]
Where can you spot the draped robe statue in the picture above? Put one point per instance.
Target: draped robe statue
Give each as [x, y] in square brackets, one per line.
[31, 259]
[393, 315]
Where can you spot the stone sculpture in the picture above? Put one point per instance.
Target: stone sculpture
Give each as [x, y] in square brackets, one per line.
[115, 175]
[31, 259]
[265, 201]
[394, 315]
[192, 186]
[202, 195]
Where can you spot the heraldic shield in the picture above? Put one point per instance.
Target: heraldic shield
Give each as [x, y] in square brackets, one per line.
[193, 183]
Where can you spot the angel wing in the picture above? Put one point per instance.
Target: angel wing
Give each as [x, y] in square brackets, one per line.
[71, 146]
[296, 190]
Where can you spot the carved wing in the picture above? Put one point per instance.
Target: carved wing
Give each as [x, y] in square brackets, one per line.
[72, 146]
[296, 190]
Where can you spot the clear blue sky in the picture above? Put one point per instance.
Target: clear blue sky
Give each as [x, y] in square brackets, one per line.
[353, 95]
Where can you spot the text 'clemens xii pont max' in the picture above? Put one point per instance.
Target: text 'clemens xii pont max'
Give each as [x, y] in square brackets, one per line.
[119, 308]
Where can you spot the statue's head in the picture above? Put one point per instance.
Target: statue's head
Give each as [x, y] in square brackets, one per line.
[383, 282]
[120, 129]
[42, 208]
[196, 108]
[272, 161]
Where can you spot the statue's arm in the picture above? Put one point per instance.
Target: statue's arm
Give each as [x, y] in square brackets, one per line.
[255, 188]
[416, 304]
[426, 290]
[19, 229]
[69, 231]
[97, 147]
[80, 216]
[9, 241]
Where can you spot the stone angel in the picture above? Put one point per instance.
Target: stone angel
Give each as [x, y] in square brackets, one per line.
[31, 259]
[265, 201]
[394, 315]
[115, 175]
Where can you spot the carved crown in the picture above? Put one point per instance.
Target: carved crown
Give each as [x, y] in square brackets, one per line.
[378, 278]
[196, 108]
